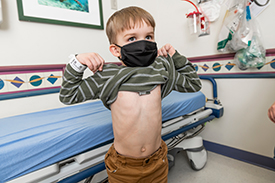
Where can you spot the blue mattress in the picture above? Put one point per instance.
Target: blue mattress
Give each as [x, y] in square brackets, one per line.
[32, 141]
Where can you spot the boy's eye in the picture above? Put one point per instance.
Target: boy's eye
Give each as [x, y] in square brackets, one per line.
[148, 37]
[132, 39]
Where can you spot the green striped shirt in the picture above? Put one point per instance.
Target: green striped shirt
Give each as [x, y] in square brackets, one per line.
[172, 73]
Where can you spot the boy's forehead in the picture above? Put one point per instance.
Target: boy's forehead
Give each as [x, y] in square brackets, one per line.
[136, 26]
[131, 27]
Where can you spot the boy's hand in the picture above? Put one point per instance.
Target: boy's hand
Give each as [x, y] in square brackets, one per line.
[166, 49]
[271, 113]
[92, 60]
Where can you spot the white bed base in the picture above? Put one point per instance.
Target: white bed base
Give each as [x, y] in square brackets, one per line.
[76, 164]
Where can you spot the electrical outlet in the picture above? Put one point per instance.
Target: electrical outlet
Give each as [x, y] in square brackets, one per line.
[114, 4]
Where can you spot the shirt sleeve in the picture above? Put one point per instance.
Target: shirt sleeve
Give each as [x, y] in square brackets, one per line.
[186, 77]
[75, 89]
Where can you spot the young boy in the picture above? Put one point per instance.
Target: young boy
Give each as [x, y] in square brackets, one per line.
[133, 93]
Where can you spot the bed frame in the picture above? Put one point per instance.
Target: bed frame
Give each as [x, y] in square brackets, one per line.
[179, 134]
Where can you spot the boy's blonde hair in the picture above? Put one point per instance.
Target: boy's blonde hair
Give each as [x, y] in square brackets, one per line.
[127, 18]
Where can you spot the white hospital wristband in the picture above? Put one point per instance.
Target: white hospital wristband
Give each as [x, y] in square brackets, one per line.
[76, 65]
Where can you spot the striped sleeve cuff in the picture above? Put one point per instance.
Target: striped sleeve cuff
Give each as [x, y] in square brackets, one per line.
[179, 60]
[76, 65]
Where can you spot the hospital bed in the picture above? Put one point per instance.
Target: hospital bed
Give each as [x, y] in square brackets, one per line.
[68, 144]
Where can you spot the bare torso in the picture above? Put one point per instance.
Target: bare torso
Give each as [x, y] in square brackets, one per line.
[137, 123]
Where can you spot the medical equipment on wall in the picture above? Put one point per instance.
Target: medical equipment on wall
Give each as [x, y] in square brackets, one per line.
[251, 57]
[211, 8]
[260, 3]
[198, 23]
[240, 34]
[257, 8]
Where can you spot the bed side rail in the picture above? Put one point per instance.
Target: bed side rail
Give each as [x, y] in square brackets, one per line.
[214, 85]
[216, 106]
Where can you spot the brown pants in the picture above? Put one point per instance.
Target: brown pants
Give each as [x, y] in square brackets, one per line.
[122, 169]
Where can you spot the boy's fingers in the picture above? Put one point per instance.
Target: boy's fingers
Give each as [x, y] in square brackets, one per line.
[92, 60]
[159, 53]
[90, 66]
[162, 52]
[100, 62]
[100, 68]
[271, 114]
[95, 62]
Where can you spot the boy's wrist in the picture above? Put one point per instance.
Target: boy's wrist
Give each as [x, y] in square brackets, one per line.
[75, 64]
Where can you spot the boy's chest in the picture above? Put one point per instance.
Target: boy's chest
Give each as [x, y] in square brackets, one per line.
[131, 105]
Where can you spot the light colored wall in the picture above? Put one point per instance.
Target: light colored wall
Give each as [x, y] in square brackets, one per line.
[29, 43]
[244, 125]
[32, 43]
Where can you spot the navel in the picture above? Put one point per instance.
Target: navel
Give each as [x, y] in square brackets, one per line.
[143, 149]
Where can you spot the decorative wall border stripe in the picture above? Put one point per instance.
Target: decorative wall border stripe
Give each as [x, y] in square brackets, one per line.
[223, 66]
[24, 81]
[30, 80]
[29, 93]
[248, 157]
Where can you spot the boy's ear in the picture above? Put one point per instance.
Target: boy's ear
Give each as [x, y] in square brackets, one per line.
[115, 50]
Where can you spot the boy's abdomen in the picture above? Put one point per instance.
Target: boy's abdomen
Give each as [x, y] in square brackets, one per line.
[137, 123]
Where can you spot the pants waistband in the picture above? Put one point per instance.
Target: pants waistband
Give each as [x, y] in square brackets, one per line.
[162, 151]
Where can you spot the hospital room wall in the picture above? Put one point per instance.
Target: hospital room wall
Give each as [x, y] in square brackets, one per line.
[32, 43]
[244, 125]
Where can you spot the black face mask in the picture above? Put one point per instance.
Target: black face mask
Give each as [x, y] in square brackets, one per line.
[139, 53]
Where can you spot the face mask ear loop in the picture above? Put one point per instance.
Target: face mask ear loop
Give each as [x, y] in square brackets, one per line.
[117, 45]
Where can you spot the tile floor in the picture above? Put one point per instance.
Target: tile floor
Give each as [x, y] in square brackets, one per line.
[219, 169]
